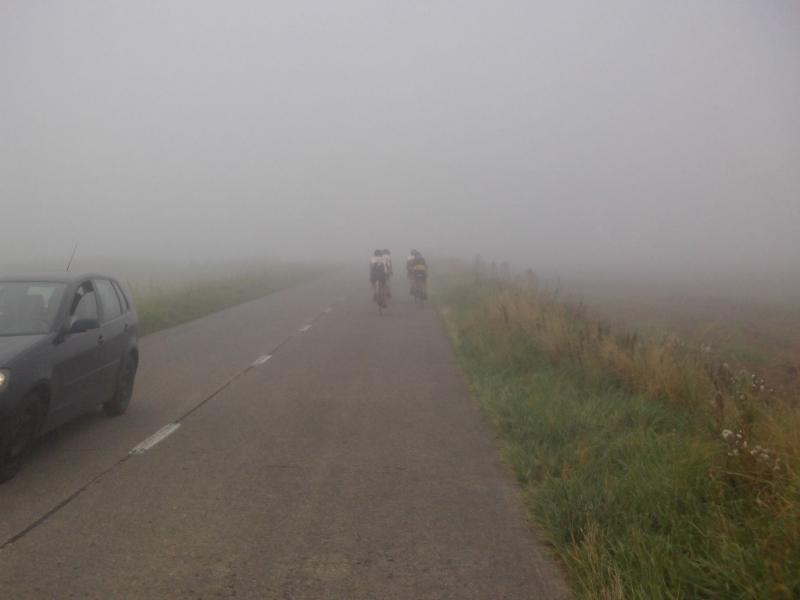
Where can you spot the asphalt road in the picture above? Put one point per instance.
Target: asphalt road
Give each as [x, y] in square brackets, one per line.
[350, 464]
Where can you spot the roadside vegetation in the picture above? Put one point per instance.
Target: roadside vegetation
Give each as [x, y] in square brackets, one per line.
[651, 469]
[160, 306]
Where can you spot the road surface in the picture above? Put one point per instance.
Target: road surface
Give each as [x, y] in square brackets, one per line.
[313, 450]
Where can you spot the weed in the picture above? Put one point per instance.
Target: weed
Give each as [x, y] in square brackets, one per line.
[651, 469]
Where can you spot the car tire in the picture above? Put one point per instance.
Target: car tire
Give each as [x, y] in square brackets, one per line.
[122, 395]
[17, 439]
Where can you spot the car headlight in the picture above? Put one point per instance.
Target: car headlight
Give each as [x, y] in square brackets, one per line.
[5, 375]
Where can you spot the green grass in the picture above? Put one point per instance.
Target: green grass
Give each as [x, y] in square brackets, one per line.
[161, 307]
[631, 486]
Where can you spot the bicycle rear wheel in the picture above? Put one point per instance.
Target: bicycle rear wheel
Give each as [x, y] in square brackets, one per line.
[380, 298]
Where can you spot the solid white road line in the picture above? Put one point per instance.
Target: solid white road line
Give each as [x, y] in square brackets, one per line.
[261, 360]
[155, 438]
[329, 309]
[306, 328]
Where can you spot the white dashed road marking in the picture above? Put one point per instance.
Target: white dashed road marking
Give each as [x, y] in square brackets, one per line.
[148, 443]
[261, 360]
[155, 438]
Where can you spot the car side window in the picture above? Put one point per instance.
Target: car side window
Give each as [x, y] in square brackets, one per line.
[122, 299]
[109, 302]
[84, 303]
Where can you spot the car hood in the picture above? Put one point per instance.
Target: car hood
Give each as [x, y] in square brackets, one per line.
[12, 346]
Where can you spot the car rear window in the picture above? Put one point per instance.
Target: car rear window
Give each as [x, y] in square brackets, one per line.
[123, 300]
[109, 302]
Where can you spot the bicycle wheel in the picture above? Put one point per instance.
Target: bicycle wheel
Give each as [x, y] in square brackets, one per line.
[380, 298]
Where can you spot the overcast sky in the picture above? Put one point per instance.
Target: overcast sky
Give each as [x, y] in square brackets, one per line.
[575, 134]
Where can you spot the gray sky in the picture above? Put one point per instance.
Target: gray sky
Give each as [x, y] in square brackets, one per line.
[556, 134]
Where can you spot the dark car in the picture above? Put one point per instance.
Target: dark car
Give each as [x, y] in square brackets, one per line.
[67, 344]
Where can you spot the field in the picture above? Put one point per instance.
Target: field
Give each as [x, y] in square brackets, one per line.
[163, 306]
[656, 457]
[168, 293]
[750, 323]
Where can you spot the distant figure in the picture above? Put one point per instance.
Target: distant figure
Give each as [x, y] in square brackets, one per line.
[410, 270]
[387, 256]
[377, 272]
[420, 275]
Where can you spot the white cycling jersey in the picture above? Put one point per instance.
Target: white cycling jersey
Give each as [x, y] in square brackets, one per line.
[379, 260]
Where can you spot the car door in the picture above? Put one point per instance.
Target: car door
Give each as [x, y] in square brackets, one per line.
[80, 357]
[113, 328]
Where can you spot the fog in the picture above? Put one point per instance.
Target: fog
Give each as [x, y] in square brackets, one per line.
[576, 135]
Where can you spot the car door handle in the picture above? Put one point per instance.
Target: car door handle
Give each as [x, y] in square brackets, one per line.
[100, 340]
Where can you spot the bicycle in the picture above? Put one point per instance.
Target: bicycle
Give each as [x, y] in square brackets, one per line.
[419, 294]
[379, 297]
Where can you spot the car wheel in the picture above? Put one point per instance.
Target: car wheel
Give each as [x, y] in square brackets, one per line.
[19, 434]
[122, 395]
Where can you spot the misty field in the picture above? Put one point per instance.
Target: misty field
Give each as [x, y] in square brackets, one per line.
[749, 321]
[653, 465]
[160, 306]
[168, 293]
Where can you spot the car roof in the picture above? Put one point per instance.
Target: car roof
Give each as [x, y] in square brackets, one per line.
[52, 277]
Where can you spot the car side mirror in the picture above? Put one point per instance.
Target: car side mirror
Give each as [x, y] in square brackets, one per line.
[83, 324]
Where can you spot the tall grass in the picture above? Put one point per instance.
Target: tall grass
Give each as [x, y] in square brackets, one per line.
[650, 470]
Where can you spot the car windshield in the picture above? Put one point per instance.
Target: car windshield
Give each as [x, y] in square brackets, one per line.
[29, 307]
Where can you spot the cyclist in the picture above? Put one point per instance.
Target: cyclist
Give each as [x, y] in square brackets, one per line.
[377, 272]
[387, 256]
[420, 270]
[410, 270]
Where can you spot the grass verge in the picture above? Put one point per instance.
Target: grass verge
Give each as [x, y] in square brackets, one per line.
[161, 307]
[649, 472]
